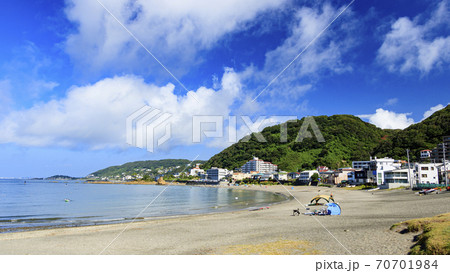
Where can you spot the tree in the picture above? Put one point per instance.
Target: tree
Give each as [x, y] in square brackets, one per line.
[315, 178]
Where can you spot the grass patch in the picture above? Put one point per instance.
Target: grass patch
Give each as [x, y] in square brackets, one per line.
[282, 247]
[435, 236]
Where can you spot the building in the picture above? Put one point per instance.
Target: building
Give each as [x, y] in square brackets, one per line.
[397, 178]
[374, 169]
[238, 176]
[362, 164]
[385, 164]
[424, 154]
[196, 171]
[338, 176]
[305, 176]
[426, 174]
[293, 175]
[259, 166]
[437, 154]
[280, 176]
[364, 176]
[351, 177]
[216, 174]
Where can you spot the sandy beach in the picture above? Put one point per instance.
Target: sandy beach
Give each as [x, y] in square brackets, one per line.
[363, 228]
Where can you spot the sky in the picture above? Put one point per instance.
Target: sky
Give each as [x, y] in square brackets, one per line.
[73, 72]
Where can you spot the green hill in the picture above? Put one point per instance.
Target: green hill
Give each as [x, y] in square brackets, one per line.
[347, 138]
[150, 167]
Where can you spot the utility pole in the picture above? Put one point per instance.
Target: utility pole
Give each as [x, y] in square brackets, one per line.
[445, 166]
[409, 169]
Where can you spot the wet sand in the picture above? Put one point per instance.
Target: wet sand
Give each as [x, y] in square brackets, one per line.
[363, 228]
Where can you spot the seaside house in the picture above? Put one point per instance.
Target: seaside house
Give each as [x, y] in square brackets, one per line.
[397, 178]
[293, 175]
[305, 176]
[426, 173]
[280, 176]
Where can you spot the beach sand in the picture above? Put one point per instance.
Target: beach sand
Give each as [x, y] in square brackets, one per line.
[363, 228]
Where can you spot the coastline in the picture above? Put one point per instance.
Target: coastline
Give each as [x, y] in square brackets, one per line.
[130, 219]
[363, 228]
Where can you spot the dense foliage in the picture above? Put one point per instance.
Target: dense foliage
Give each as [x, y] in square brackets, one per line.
[347, 138]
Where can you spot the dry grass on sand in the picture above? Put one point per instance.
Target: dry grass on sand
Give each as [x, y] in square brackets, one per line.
[435, 236]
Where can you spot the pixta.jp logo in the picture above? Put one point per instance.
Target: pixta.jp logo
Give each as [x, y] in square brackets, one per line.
[142, 126]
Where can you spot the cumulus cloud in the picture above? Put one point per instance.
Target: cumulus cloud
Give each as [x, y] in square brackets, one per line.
[432, 110]
[416, 45]
[386, 119]
[94, 115]
[173, 30]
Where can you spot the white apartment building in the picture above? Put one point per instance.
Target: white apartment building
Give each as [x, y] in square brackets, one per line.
[305, 176]
[385, 164]
[259, 166]
[216, 174]
[426, 173]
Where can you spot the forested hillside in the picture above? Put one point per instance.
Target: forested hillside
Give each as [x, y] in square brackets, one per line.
[347, 138]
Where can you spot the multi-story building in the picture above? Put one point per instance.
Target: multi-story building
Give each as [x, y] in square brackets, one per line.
[259, 166]
[374, 169]
[305, 176]
[216, 174]
[426, 174]
[398, 178]
[362, 164]
[437, 154]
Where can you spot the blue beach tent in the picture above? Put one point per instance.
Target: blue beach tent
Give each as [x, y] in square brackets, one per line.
[333, 209]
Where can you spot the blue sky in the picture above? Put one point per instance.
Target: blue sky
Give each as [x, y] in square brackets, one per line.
[70, 73]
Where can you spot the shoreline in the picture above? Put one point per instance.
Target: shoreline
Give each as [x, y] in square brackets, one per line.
[363, 228]
[145, 219]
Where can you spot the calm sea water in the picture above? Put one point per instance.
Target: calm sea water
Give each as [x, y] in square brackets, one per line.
[28, 204]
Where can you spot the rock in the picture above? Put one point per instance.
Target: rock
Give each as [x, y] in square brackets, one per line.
[161, 181]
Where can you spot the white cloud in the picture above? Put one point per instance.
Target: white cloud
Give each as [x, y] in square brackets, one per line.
[173, 30]
[391, 101]
[432, 110]
[386, 119]
[94, 116]
[411, 45]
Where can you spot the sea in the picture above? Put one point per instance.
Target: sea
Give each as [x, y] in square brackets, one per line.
[40, 204]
